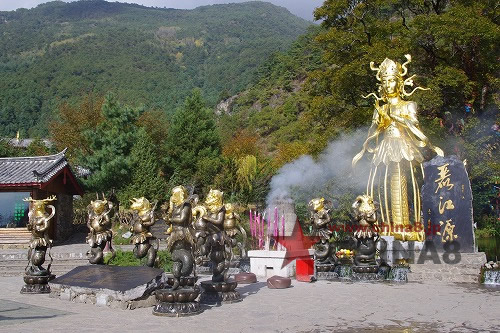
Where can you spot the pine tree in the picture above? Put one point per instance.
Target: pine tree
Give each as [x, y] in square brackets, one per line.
[110, 144]
[193, 145]
[146, 180]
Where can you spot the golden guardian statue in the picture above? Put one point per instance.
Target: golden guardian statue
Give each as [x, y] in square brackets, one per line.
[396, 142]
[36, 276]
[143, 220]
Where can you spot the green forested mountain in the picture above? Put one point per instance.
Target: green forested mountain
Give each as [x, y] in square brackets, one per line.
[60, 51]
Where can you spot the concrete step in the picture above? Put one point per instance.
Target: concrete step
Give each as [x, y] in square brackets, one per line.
[17, 267]
[59, 256]
[443, 277]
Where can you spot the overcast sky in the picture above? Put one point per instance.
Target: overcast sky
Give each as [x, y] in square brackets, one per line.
[302, 8]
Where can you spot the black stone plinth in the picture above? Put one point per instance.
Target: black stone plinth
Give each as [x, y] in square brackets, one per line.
[365, 269]
[366, 277]
[35, 284]
[324, 267]
[328, 276]
[177, 303]
[219, 293]
[117, 278]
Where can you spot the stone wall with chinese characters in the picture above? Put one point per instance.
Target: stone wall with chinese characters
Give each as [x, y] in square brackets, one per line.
[447, 205]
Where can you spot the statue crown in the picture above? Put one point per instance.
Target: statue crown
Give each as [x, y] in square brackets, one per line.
[390, 68]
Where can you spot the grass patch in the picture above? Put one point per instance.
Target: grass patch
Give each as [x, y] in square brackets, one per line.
[118, 231]
[127, 258]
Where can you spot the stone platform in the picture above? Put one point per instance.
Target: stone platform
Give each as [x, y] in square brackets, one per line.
[114, 286]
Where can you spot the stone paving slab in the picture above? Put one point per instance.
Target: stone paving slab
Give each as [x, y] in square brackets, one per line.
[15, 313]
[306, 307]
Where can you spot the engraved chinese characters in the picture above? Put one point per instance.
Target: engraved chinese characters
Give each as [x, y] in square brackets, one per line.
[447, 204]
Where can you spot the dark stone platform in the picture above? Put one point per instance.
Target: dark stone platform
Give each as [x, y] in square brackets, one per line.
[123, 287]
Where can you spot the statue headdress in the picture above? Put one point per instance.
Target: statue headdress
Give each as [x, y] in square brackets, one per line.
[389, 67]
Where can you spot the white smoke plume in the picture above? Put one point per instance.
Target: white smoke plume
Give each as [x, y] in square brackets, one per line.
[332, 170]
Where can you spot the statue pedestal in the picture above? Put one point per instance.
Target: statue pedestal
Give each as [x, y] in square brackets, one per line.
[37, 284]
[366, 273]
[366, 277]
[399, 273]
[219, 293]
[326, 272]
[177, 303]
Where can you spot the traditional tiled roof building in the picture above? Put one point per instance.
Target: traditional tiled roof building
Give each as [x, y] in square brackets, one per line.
[38, 177]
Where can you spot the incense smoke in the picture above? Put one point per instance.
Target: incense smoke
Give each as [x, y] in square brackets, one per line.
[330, 173]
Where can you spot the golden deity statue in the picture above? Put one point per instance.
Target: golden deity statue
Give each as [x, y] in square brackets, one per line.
[396, 142]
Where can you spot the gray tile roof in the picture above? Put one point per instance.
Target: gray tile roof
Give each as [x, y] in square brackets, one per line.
[26, 170]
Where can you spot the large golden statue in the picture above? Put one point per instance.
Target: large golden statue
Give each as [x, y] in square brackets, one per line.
[396, 142]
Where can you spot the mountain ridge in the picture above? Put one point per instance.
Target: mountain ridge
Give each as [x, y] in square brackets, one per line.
[146, 56]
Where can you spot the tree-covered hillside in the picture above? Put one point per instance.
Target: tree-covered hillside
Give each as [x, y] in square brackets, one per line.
[311, 93]
[61, 51]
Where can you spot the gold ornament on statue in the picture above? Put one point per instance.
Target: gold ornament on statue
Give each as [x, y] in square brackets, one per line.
[396, 142]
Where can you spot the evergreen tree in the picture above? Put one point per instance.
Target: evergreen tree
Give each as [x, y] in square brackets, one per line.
[146, 180]
[193, 145]
[110, 144]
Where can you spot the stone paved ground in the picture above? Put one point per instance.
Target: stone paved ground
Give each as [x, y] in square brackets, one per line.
[316, 307]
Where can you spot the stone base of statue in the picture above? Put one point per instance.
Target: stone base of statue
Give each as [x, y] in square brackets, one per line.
[344, 271]
[366, 277]
[219, 292]
[399, 272]
[37, 284]
[366, 273]
[328, 276]
[365, 269]
[177, 303]
[324, 267]
[326, 272]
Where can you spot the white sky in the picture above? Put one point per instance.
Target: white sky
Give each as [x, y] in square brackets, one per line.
[302, 8]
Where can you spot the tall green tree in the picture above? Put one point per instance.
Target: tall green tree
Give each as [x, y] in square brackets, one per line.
[454, 44]
[146, 179]
[110, 144]
[193, 144]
